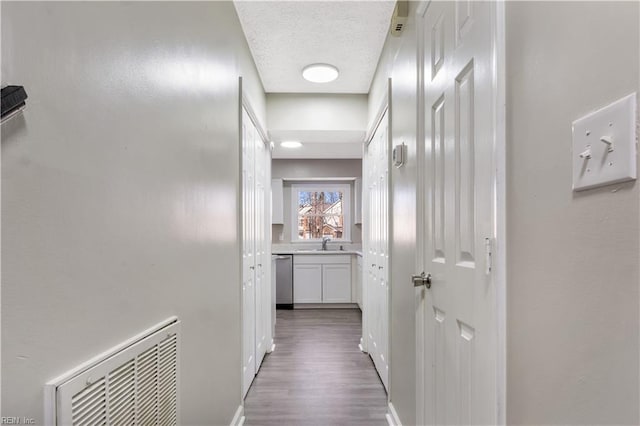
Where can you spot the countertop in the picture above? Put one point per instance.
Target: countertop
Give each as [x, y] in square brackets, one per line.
[318, 252]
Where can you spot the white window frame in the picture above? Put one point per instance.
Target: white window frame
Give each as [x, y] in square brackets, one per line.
[345, 188]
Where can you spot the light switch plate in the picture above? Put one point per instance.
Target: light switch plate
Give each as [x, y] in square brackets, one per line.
[604, 145]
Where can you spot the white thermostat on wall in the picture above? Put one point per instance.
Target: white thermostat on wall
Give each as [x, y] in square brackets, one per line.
[604, 145]
[397, 155]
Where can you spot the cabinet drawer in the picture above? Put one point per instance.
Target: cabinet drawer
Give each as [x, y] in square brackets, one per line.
[321, 259]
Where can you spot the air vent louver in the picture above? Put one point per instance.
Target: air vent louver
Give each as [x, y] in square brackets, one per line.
[136, 385]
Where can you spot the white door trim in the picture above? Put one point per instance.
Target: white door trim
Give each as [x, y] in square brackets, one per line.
[384, 106]
[389, 234]
[500, 179]
[239, 230]
[246, 104]
[499, 266]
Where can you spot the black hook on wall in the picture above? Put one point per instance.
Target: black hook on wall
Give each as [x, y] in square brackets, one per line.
[13, 101]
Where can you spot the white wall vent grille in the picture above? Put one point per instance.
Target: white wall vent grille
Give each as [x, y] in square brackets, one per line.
[135, 383]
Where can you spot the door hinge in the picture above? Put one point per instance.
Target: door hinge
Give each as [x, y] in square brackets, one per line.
[488, 256]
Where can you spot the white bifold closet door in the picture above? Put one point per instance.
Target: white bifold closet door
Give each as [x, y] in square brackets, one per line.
[256, 253]
[376, 233]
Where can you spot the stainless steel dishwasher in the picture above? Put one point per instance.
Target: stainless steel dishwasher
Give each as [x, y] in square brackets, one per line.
[284, 282]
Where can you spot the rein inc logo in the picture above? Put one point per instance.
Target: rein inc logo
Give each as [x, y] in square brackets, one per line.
[17, 420]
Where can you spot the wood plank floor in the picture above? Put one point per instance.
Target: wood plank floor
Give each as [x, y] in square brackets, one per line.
[317, 375]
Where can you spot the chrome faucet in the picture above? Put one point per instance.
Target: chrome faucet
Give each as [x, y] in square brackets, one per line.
[325, 240]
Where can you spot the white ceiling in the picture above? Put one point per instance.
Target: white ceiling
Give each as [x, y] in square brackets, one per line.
[286, 36]
[319, 144]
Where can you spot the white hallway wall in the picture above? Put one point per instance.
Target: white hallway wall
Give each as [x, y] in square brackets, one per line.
[398, 61]
[119, 191]
[572, 288]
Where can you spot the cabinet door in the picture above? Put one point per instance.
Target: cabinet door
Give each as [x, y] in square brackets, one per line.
[277, 206]
[307, 284]
[336, 283]
[359, 281]
[357, 197]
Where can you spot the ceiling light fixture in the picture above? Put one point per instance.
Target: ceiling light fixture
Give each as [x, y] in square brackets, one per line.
[320, 73]
[290, 144]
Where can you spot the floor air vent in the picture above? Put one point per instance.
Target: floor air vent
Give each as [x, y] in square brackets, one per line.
[135, 383]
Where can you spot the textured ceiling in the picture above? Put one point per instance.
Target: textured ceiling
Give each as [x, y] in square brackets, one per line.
[285, 36]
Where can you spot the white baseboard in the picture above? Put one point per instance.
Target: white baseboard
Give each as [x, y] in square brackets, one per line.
[325, 306]
[392, 416]
[361, 346]
[238, 418]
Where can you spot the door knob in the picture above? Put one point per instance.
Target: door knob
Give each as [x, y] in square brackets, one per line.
[422, 279]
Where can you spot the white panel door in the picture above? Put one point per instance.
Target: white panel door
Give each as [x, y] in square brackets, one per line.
[248, 254]
[256, 286]
[263, 306]
[458, 332]
[336, 283]
[307, 284]
[376, 281]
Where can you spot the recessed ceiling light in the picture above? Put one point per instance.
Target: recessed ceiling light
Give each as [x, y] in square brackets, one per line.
[320, 73]
[290, 144]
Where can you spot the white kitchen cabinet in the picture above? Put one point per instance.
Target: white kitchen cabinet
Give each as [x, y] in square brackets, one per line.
[277, 202]
[336, 283]
[320, 278]
[307, 283]
[357, 198]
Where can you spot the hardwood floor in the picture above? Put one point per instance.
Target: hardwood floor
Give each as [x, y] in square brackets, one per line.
[317, 375]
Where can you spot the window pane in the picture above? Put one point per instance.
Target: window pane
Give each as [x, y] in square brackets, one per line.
[333, 226]
[310, 227]
[320, 214]
[320, 202]
[333, 202]
[316, 227]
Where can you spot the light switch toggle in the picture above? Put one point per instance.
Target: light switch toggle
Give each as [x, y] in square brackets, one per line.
[586, 154]
[604, 145]
[609, 141]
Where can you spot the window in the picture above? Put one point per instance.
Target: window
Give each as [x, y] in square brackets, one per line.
[320, 210]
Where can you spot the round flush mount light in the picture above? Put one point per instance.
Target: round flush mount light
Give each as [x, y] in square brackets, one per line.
[290, 144]
[320, 73]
